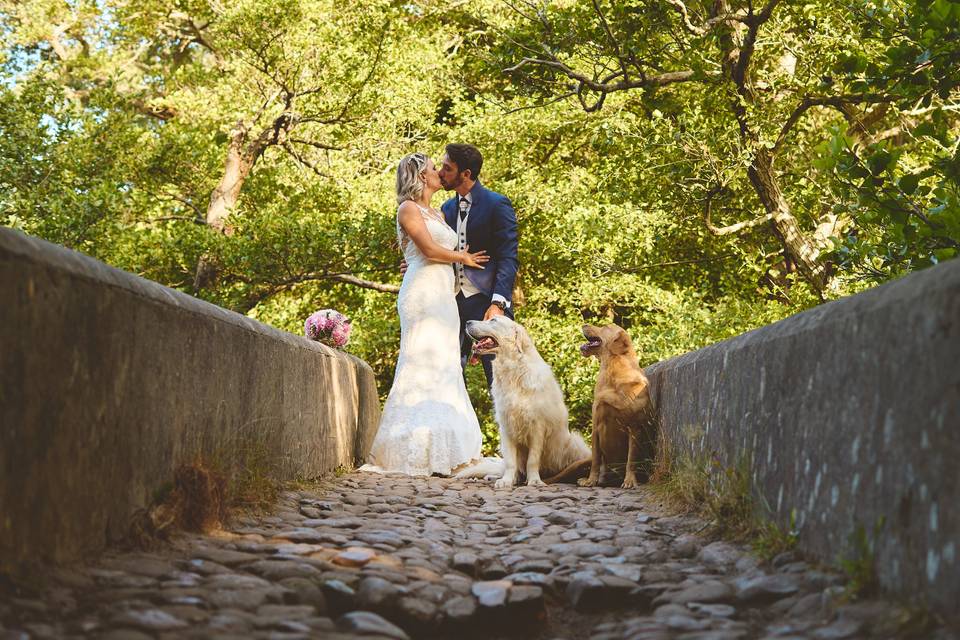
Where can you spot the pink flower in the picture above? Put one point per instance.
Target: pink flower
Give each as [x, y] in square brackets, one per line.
[329, 327]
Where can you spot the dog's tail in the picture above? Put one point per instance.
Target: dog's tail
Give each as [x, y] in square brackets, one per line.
[579, 469]
[482, 468]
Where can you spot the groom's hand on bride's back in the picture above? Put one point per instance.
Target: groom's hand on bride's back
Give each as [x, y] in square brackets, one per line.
[403, 267]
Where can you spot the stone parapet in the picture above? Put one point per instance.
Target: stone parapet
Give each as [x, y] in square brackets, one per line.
[109, 382]
[849, 415]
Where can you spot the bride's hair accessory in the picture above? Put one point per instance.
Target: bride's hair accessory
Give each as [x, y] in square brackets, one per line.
[410, 177]
[328, 326]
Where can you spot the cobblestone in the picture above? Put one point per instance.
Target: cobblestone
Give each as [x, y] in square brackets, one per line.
[368, 556]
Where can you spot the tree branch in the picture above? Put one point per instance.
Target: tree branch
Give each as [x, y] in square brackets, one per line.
[273, 289]
[663, 79]
[199, 38]
[674, 263]
[318, 145]
[738, 227]
[57, 44]
[266, 103]
[150, 221]
[262, 63]
[707, 25]
[753, 21]
[302, 160]
[838, 102]
[613, 41]
[160, 112]
[201, 215]
[682, 8]
[733, 228]
[360, 282]
[373, 67]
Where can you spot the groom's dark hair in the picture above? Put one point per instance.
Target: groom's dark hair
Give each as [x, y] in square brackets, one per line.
[466, 156]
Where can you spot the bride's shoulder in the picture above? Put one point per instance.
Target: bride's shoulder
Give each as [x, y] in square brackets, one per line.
[409, 212]
[407, 208]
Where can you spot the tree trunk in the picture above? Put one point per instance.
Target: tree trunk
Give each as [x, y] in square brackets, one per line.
[783, 224]
[736, 56]
[239, 162]
[223, 199]
[242, 154]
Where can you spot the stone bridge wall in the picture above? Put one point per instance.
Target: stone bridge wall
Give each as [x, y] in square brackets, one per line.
[850, 416]
[108, 382]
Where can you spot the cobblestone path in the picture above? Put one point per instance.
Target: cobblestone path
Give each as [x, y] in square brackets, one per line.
[394, 557]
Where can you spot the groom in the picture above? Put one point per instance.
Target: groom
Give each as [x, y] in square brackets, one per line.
[484, 220]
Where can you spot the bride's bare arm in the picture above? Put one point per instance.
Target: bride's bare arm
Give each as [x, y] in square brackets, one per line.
[412, 222]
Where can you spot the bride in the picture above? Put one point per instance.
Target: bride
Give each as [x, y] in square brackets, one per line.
[428, 424]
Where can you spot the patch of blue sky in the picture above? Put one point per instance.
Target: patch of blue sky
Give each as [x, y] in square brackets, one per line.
[18, 62]
[50, 123]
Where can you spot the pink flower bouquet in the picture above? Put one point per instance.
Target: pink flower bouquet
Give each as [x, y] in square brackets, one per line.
[329, 327]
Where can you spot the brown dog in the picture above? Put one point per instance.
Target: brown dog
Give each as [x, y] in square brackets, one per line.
[623, 429]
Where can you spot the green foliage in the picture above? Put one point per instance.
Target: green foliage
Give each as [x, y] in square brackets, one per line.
[901, 189]
[772, 539]
[116, 120]
[905, 202]
[859, 562]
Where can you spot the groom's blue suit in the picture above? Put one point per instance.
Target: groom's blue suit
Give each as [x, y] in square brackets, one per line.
[491, 227]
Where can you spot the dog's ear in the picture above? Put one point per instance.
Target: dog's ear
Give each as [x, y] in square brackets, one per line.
[621, 344]
[521, 339]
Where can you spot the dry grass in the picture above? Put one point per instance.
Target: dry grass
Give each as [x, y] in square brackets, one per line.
[203, 495]
[199, 498]
[196, 501]
[721, 494]
[254, 486]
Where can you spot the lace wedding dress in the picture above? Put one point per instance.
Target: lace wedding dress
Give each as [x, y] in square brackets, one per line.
[428, 424]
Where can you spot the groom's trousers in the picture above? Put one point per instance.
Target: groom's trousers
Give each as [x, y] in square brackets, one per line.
[473, 308]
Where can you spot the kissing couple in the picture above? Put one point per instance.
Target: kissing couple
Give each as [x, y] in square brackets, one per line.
[460, 265]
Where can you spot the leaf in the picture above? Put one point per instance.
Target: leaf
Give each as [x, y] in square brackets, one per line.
[925, 128]
[945, 254]
[858, 171]
[879, 161]
[908, 183]
[940, 10]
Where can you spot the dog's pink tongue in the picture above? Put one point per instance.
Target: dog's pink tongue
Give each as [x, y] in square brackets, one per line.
[584, 348]
[483, 343]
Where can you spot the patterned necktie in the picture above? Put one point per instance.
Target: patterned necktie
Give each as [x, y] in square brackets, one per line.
[464, 205]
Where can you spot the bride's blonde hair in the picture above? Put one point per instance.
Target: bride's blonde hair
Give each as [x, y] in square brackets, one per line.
[410, 179]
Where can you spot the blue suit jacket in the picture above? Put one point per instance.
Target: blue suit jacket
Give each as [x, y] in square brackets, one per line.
[491, 226]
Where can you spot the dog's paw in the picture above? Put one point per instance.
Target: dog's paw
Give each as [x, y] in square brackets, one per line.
[629, 483]
[536, 482]
[503, 483]
[587, 482]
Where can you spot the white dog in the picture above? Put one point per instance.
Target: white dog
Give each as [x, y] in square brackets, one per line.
[528, 404]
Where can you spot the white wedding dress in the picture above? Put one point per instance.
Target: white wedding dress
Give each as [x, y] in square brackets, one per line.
[428, 424]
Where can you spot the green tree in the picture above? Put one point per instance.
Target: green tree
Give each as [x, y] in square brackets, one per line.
[687, 171]
[750, 89]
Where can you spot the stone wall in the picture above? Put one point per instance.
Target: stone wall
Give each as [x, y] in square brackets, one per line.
[108, 382]
[849, 414]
